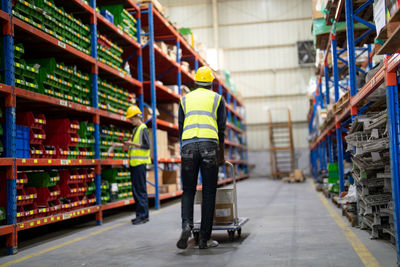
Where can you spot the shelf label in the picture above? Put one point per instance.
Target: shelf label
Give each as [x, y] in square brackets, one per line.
[64, 162]
[123, 118]
[372, 81]
[66, 216]
[61, 44]
[126, 202]
[122, 75]
[120, 31]
[64, 103]
[125, 162]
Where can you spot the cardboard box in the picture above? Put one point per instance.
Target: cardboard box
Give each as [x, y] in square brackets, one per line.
[147, 113]
[223, 213]
[168, 188]
[170, 177]
[174, 148]
[162, 144]
[163, 46]
[169, 112]
[316, 13]
[156, 4]
[150, 177]
[150, 189]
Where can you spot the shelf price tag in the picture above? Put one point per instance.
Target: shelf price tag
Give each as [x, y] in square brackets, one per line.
[64, 162]
[61, 44]
[125, 162]
[122, 75]
[126, 202]
[65, 216]
[120, 31]
[63, 103]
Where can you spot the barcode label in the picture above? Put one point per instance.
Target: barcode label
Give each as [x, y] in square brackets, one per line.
[63, 103]
[61, 44]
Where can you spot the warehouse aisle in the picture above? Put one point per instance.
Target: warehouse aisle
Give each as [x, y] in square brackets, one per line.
[289, 226]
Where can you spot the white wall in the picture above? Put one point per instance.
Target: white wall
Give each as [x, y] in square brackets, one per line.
[258, 39]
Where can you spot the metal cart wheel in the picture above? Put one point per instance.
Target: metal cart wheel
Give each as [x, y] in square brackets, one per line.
[239, 231]
[231, 235]
[196, 236]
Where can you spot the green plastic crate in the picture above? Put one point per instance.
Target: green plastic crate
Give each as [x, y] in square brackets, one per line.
[42, 179]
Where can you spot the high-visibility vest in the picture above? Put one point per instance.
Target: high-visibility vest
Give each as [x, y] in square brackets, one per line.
[137, 155]
[200, 108]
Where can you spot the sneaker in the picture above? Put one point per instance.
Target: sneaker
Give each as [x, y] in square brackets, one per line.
[183, 240]
[208, 244]
[139, 221]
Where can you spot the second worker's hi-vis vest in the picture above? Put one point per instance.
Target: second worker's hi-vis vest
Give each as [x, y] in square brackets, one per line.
[137, 155]
[200, 107]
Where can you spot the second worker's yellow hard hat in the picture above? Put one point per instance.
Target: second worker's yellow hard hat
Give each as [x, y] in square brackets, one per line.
[204, 75]
[133, 111]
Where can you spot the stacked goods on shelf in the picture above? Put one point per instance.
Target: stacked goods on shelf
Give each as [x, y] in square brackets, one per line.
[86, 136]
[110, 135]
[74, 188]
[110, 54]
[25, 74]
[48, 192]
[168, 112]
[171, 52]
[65, 82]
[371, 172]
[162, 144]
[170, 181]
[114, 99]
[53, 20]
[122, 19]
[37, 135]
[383, 12]
[63, 134]
[120, 183]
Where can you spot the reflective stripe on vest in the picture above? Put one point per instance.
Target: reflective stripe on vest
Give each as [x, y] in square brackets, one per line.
[137, 155]
[200, 109]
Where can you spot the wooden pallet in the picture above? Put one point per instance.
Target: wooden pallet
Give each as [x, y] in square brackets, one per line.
[351, 217]
[335, 200]
[391, 35]
[342, 102]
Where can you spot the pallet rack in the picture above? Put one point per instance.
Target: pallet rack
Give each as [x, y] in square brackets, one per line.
[331, 136]
[15, 28]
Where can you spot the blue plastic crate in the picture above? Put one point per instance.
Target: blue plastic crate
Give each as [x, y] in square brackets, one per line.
[107, 14]
[22, 140]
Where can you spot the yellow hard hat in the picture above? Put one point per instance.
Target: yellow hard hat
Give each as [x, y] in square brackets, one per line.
[132, 111]
[204, 75]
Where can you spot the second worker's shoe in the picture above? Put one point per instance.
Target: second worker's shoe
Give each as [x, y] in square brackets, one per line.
[208, 244]
[139, 221]
[183, 240]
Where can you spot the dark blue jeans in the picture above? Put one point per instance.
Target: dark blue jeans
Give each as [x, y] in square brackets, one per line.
[200, 156]
[139, 191]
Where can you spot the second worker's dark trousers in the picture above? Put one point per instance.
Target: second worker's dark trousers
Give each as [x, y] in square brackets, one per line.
[200, 156]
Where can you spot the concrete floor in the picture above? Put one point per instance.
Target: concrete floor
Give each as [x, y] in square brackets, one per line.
[289, 226]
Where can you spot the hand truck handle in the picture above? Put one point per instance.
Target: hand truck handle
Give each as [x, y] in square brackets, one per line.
[233, 173]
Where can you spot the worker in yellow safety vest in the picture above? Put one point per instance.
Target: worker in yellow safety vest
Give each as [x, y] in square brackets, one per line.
[202, 122]
[139, 156]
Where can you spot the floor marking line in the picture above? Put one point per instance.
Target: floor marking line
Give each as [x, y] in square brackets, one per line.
[77, 239]
[365, 255]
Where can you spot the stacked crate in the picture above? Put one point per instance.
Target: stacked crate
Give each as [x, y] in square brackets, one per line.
[333, 178]
[86, 144]
[105, 192]
[120, 183]
[25, 74]
[110, 54]
[37, 135]
[62, 133]
[122, 19]
[114, 99]
[73, 188]
[53, 20]
[65, 82]
[26, 199]
[48, 192]
[371, 172]
[110, 135]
